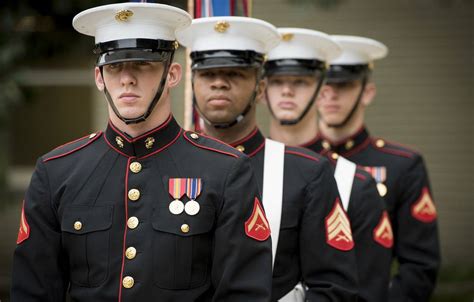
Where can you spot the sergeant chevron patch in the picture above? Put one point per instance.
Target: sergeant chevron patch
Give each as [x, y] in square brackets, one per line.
[424, 209]
[257, 226]
[383, 233]
[24, 231]
[338, 228]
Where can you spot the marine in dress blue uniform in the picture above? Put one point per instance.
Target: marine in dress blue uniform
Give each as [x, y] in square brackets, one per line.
[166, 215]
[297, 64]
[315, 240]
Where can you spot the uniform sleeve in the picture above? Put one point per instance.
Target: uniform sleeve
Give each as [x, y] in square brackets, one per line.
[366, 212]
[242, 266]
[329, 273]
[416, 243]
[38, 273]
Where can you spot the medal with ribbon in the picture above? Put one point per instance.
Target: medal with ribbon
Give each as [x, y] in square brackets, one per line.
[380, 175]
[176, 188]
[193, 189]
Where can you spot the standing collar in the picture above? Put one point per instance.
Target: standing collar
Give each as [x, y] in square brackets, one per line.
[250, 144]
[148, 143]
[323, 145]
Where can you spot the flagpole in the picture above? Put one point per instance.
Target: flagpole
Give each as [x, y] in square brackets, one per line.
[188, 91]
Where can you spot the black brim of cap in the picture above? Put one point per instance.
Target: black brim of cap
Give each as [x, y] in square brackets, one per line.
[346, 73]
[226, 58]
[130, 55]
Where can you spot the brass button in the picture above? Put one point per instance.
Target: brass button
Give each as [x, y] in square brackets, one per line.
[133, 194]
[130, 253]
[77, 225]
[326, 145]
[185, 228]
[335, 156]
[349, 144]
[128, 282]
[135, 167]
[240, 148]
[92, 135]
[119, 141]
[380, 143]
[194, 136]
[132, 222]
[149, 142]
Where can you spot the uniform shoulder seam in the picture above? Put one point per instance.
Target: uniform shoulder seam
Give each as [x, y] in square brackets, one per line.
[199, 143]
[390, 148]
[72, 146]
[301, 153]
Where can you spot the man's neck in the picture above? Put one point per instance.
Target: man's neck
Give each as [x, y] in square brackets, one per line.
[294, 135]
[158, 117]
[337, 134]
[231, 134]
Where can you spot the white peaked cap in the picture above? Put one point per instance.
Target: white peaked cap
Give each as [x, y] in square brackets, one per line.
[301, 43]
[358, 50]
[229, 33]
[131, 21]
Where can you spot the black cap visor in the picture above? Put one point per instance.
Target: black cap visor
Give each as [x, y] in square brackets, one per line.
[294, 67]
[226, 58]
[346, 73]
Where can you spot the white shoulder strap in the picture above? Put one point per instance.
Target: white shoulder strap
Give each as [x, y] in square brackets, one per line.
[273, 188]
[344, 175]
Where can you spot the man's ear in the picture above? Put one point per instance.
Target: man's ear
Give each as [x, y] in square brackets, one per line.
[174, 75]
[369, 94]
[99, 81]
[261, 96]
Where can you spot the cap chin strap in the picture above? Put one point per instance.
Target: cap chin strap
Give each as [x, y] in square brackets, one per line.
[354, 108]
[237, 119]
[153, 103]
[306, 109]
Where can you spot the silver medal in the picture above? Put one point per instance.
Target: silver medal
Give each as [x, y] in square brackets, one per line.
[192, 207]
[176, 207]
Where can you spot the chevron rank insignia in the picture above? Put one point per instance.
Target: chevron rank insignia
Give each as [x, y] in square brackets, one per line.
[257, 226]
[338, 229]
[24, 231]
[424, 209]
[383, 233]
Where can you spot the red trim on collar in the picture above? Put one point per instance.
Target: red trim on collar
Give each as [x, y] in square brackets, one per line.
[357, 148]
[302, 155]
[142, 135]
[76, 149]
[257, 150]
[209, 148]
[252, 133]
[125, 230]
[312, 141]
[165, 146]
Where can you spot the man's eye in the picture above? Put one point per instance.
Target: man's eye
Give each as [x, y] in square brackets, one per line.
[114, 65]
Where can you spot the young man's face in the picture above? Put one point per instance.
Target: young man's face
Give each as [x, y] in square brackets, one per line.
[338, 100]
[132, 85]
[223, 93]
[288, 95]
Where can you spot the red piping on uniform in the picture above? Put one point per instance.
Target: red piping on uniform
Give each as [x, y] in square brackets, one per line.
[233, 144]
[113, 147]
[358, 148]
[72, 142]
[302, 155]
[360, 176]
[342, 141]
[392, 151]
[208, 148]
[143, 135]
[125, 230]
[164, 147]
[73, 150]
[256, 150]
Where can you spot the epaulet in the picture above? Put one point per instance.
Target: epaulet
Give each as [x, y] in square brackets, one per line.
[71, 147]
[208, 143]
[303, 152]
[393, 148]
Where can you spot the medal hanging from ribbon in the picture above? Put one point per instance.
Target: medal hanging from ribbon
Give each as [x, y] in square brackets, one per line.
[380, 175]
[193, 189]
[176, 188]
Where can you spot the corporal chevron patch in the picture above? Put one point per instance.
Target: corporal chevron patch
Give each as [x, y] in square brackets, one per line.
[257, 226]
[338, 228]
[24, 231]
[424, 209]
[383, 233]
